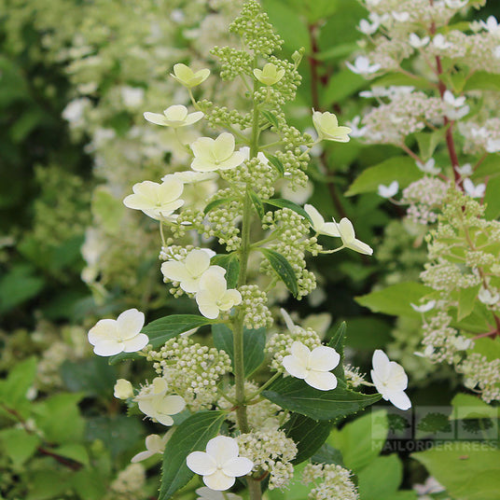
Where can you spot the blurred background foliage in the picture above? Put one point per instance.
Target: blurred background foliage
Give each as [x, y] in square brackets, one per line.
[75, 78]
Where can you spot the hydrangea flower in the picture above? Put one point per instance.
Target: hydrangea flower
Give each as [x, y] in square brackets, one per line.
[423, 308]
[175, 116]
[190, 270]
[154, 444]
[428, 167]
[487, 297]
[216, 154]
[187, 77]
[362, 66]
[110, 337]
[123, 389]
[214, 296]
[346, 232]
[327, 126]
[313, 366]
[416, 42]
[269, 75]
[388, 191]
[474, 191]
[157, 201]
[154, 402]
[318, 223]
[390, 380]
[220, 464]
[208, 494]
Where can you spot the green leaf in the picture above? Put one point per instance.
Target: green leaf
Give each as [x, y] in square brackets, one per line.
[342, 51]
[254, 342]
[402, 169]
[340, 86]
[395, 299]
[466, 406]
[271, 118]
[231, 263]
[483, 80]
[163, 329]
[216, 203]
[17, 286]
[94, 376]
[47, 484]
[295, 395]
[368, 333]
[308, 434]
[337, 342]
[283, 269]
[492, 200]
[381, 478]
[362, 440]
[89, 484]
[403, 495]
[277, 164]
[400, 79]
[192, 435]
[489, 168]
[75, 452]
[19, 381]
[429, 141]
[464, 470]
[466, 301]
[282, 203]
[328, 455]
[18, 445]
[257, 203]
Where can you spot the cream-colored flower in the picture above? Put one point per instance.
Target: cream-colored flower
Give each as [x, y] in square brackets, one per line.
[214, 296]
[157, 201]
[154, 402]
[346, 231]
[175, 116]
[318, 223]
[216, 154]
[123, 389]
[154, 444]
[327, 126]
[269, 75]
[187, 77]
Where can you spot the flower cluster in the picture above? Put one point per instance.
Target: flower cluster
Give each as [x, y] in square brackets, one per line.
[330, 481]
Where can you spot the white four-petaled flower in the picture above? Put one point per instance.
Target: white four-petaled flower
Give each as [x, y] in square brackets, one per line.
[416, 42]
[327, 126]
[429, 167]
[154, 444]
[213, 296]
[491, 25]
[187, 77]
[362, 66]
[349, 240]
[216, 154]
[269, 75]
[110, 337]
[318, 223]
[123, 389]
[474, 191]
[220, 464]
[423, 308]
[390, 380]
[157, 201]
[313, 366]
[487, 297]
[388, 191]
[175, 116]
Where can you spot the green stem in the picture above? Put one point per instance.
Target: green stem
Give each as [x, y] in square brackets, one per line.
[264, 386]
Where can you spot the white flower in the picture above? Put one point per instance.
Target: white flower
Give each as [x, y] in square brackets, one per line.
[362, 66]
[154, 402]
[390, 380]
[318, 223]
[208, 494]
[479, 133]
[111, 336]
[456, 4]
[132, 97]
[488, 298]
[429, 167]
[366, 28]
[269, 75]
[292, 327]
[157, 201]
[388, 191]
[327, 126]
[74, 111]
[187, 77]
[461, 343]
[376, 91]
[298, 195]
[346, 232]
[214, 296]
[313, 366]
[175, 116]
[493, 145]
[491, 25]
[452, 101]
[216, 154]
[154, 444]
[401, 17]
[430, 486]
[464, 170]
[356, 131]
[123, 389]
[423, 308]
[416, 42]
[190, 270]
[190, 177]
[220, 464]
[439, 41]
[474, 191]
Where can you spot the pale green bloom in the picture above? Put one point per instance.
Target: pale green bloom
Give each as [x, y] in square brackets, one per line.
[187, 77]
[157, 201]
[175, 116]
[318, 223]
[216, 154]
[327, 126]
[214, 296]
[346, 231]
[154, 444]
[123, 389]
[269, 75]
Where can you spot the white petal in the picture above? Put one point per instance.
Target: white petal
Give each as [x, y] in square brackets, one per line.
[301, 352]
[235, 160]
[104, 330]
[398, 380]
[223, 146]
[222, 449]
[136, 343]
[359, 246]
[323, 381]
[315, 216]
[143, 455]
[174, 270]
[324, 359]
[380, 362]
[330, 229]
[294, 367]
[171, 405]
[202, 148]
[156, 118]
[130, 323]
[400, 400]
[208, 310]
[197, 262]
[218, 481]
[346, 230]
[237, 467]
[108, 348]
[201, 463]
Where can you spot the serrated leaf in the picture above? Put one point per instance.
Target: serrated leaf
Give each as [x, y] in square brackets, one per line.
[254, 342]
[308, 434]
[282, 203]
[295, 395]
[216, 203]
[401, 168]
[257, 203]
[192, 435]
[283, 269]
[270, 118]
[163, 329]
[231, 263]
[276, 163]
